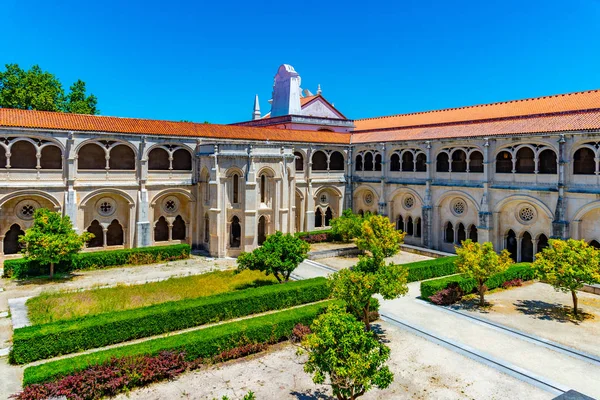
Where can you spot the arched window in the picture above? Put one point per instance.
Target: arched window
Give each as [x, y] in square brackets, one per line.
[511, 244]
[476, 162]
[91, 156]
[421, 163]
[262, 230]
[96, 229]
[318, 218]
[51, 158]
[263, 188]
[158, 160]
[400, 223]
[179, 230]
[11, 240]
[359, 163]
[526, 248]
[122, 158]
[361, 212]
[442, 163]
[461, 235]
[328, 216]
[368, 161]
[22, 155]
[583, 162]
[236, 233]
[473, 233]
[377, 162]
[236, 188]
[409, 226]
[395, 162]
[504, 163]
[525, 161]
[206, 228]
[418, 227]
[336, 161]
[595, 243]
[459, 161]
[542, 242]
[161, 230]
[408, 161]
[547, 162]
[182, 160]
[114, 235]
[449, 233]
[319, 161]
[299, 161]
[2, 157]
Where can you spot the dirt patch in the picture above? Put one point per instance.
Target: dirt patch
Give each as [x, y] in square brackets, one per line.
[422, 370]
[346, 262]
[538, 309]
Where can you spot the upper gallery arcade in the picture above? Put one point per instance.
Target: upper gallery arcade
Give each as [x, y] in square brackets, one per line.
[515, 173]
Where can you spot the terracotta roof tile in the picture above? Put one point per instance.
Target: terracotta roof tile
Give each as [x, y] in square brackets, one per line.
[540, 105]
[573, 121]
[94, 123]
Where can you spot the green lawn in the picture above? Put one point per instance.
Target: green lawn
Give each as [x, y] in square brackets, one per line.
[55, 306]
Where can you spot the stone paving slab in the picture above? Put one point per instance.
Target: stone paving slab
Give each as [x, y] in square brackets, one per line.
[18, 312]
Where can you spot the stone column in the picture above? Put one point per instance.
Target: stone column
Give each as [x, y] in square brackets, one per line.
[250, 205]
[310, 199]
[70, 201]
[143, 228]
[427, 211]
[560, 225]
[519, 240]
[348, 193]
[382, 200]
[485, 226]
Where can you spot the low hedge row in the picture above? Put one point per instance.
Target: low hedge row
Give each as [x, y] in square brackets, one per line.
[203, 343]
[39, 342]
[23, 268]
[325, 235]
[517, 271]
[420, 270]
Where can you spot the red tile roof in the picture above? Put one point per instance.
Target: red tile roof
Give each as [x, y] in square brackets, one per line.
[540, 105]
[94, 123]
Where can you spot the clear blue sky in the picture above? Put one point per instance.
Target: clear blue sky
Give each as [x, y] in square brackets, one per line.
[205, 60]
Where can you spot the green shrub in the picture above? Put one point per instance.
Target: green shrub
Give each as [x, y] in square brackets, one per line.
[203, 343]
[23, 268]
[39, 342]
[516, 271]
[420, 270]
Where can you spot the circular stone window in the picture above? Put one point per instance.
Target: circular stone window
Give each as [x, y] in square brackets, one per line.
[526, 214]
[458, 207]
[368, 198]
[106, 207]
[408, 202]
[171, 204]
[25, 209]
[323, 198]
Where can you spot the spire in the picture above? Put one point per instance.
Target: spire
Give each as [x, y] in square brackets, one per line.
[256, 113]
[319, 89]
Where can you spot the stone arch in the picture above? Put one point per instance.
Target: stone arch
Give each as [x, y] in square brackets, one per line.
[504, 163]
[182, 160]
[408, 161]
[378, 162]
[91, 156]
[51, 157]
[299, 160]
[369, 161]
[122, 157]
[23, 154]
[31, 193]
[11, 239]
[158, 159]
[459, 160]
[475, 161]
[114, 191]
[442, 163]
[235, 233]
[525, 156]
[458, 193]
[319, 161]
[473, 234]
[511, 244]
[585, 222]
[525, 198]
[179, 231]
[178, 191]
[421, 162]
[461, 233]
[114, 234]
[161, 230]
[96, 229]
[262, 230]
[336, 161]
[448, 232]
[547, 162]
[584, 162]
[542, 242]
[526, 247]
[395, 162]
[358, 165]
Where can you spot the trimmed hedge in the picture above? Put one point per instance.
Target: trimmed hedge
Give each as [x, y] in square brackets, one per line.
[203, 343]
[516, 271]
[23, 268]
[325, 235]
[39, 342]
[420, 270]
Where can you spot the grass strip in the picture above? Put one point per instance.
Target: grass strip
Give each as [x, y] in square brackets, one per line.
[40, 342]
[468, 285]
[203, 343]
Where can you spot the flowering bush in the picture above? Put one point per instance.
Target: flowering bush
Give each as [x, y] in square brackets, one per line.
[450, 295]
[298, 333]
[316, 238]
[512, 282]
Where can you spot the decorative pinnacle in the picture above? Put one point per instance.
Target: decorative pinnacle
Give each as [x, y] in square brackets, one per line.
[256, 113]
[319, 89]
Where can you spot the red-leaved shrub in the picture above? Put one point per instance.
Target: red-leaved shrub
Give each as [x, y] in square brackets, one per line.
[316, 238]
[450, 295]
[513, 282]
[298, 333]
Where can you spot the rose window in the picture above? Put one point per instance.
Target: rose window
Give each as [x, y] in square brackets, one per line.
[526, 214]
[369, 198]
[323, 199]
[409, 202]
[106, 207]
[170, 205]
[26, 211]
[459, 207]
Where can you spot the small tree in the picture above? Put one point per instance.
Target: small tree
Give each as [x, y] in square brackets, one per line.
[357, 287]
[352, 358]
[51, 239]
[567, 265]
[379, 234]
[480, 261]
[279, 255]
[348, 226]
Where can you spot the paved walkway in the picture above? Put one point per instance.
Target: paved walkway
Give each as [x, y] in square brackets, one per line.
[562, 369]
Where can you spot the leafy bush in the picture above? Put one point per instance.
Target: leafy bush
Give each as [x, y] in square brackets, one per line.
[63, 337]
[450, 295]
[23, 268]
[421, 270]
[348, 226]
[521, 271]
[199, 344]
[513, 283]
